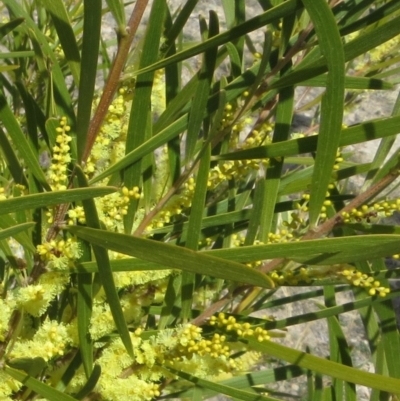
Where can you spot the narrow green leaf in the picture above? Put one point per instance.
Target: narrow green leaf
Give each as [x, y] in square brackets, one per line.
[172, 256]
[200, 97]
[338, 347]
[117, 9]
[198, 204]
[326, 367]
[66, 34]
[84, 311]
[182, 101]
[332, 103]
[371, 17]
[221, 388]
[105, 272]
[284, 115]
[263, 66]
[70, 372]
[176, 29]
[141, 104]
[172, 91]
[90, 384]
[194, 228]
[388, 326]
[10, 232]
[369, 130]
[52, 198]
[37, 386]
[5, 68]
[358, 46]
[51, 130]
[379, 167]
[20, 142]
[248, 380]
[236, 63]
[6, 222]
[119, 265]
[88, 72]
[172, 302]
[58, 76]
[320, 251]
[8, 27]
[350, 82]
[153, 143]
[31, 366]
[327, 312]
[301, 179]
[256, 212]
[9, 55]
[12, 161]
[380, 368]
[285, 8]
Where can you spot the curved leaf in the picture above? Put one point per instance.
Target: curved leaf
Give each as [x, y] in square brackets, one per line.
[173, 256]
[52, 198]
[37, 386]
[326, 367]
[10, 232]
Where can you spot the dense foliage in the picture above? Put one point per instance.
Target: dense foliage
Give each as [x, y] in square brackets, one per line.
[155, 197]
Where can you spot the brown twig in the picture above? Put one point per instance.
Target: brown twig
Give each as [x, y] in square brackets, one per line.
[111, 85]
[212, 309]
[315, 233]
[125, 41]
[327, 227]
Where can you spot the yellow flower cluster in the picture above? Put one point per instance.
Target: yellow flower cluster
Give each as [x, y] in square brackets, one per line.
[124, 378]
[102, 322]
[7, 307]
[58, 178]
[280, 236]
[113, 131]
[228, 115]
[385, 50]
[221, 173]
[358, 279]
[327, 202]
[241, 329]
[191, 342]
[136, 278]
[372, 212]
[339, 159]
[175, 207]
[158, 93]
[184, 348]
[50, 341]
[238, 128]
[8, 386]
[291, 277]
[76, 214]
[36, 298]
[112, 208]
[376, 55]
[59, 254]
[240, 168]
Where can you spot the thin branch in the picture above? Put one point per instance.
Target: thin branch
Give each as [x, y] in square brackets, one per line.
[111, 85]
[318, 232]
[327, 227]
